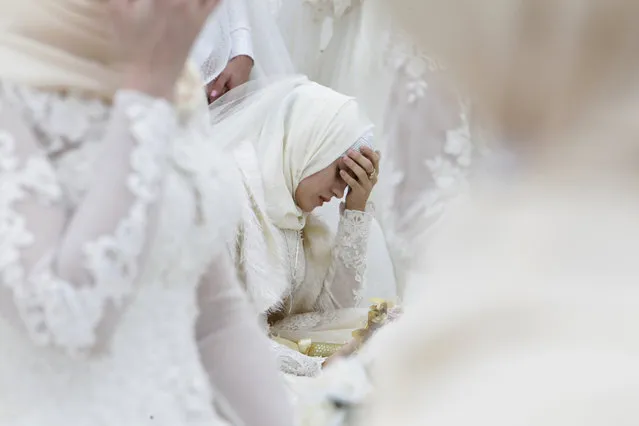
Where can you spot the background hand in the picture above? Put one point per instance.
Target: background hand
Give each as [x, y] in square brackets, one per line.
[360, 171]
[153, 39]
[236, 73]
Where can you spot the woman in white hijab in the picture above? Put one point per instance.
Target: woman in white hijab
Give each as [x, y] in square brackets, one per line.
[110, 226]
[299, 144]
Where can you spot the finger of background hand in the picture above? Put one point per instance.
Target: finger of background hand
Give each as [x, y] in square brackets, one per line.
[218, 87]
[360, 159]
[350, 181]
[231, 83]
[373, 156]
[376, 160]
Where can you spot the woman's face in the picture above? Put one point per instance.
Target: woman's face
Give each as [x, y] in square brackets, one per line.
[320, 187]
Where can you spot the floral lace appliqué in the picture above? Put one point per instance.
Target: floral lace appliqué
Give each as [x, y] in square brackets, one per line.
[56, 311]
[352, 242]
[296, 363]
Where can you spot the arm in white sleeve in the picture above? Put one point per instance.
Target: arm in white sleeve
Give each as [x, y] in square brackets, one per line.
[345, 278]
[237, 353]
[64, 276]
[240, 27]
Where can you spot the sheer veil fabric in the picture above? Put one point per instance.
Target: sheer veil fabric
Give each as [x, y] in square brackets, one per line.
[270, 55]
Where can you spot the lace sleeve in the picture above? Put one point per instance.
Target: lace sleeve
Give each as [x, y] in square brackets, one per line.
[236, 352]
[295, 363]
[345, 278]
[65, 276]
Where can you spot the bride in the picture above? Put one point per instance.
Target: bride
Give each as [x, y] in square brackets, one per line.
[111, 227]
[299, 144]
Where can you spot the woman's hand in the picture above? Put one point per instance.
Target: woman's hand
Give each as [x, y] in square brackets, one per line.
[360, 171]
[153, 39]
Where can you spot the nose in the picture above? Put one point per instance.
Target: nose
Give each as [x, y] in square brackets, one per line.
[338, 189]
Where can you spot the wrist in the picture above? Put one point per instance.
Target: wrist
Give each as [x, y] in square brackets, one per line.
[244, 58]
[360, 207]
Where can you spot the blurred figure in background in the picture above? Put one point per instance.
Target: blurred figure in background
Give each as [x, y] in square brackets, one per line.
[224, 49]
[240, 41]
[113, 231]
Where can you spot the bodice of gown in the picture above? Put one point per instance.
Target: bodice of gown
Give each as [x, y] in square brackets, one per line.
[150, 372]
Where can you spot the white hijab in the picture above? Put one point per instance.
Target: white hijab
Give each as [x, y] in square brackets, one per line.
[320, 125]
[297, 128]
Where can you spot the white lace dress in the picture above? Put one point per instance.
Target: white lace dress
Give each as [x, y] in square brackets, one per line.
[109, 217]
[335, 314]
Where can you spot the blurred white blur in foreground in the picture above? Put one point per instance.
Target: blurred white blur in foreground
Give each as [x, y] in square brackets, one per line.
[529, 313]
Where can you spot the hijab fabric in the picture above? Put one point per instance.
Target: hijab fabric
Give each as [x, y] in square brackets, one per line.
[319, 126]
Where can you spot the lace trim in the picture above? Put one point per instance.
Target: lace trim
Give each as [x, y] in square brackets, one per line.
[53, 310]
[352, 244]
[295, 363]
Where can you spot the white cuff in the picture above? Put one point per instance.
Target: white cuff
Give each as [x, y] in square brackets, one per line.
[241, 43]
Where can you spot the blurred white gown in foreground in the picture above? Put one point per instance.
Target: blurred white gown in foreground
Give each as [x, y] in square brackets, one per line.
[525, 305]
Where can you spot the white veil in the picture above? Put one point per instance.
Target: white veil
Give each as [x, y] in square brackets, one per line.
[301, 25]
[272, 58]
